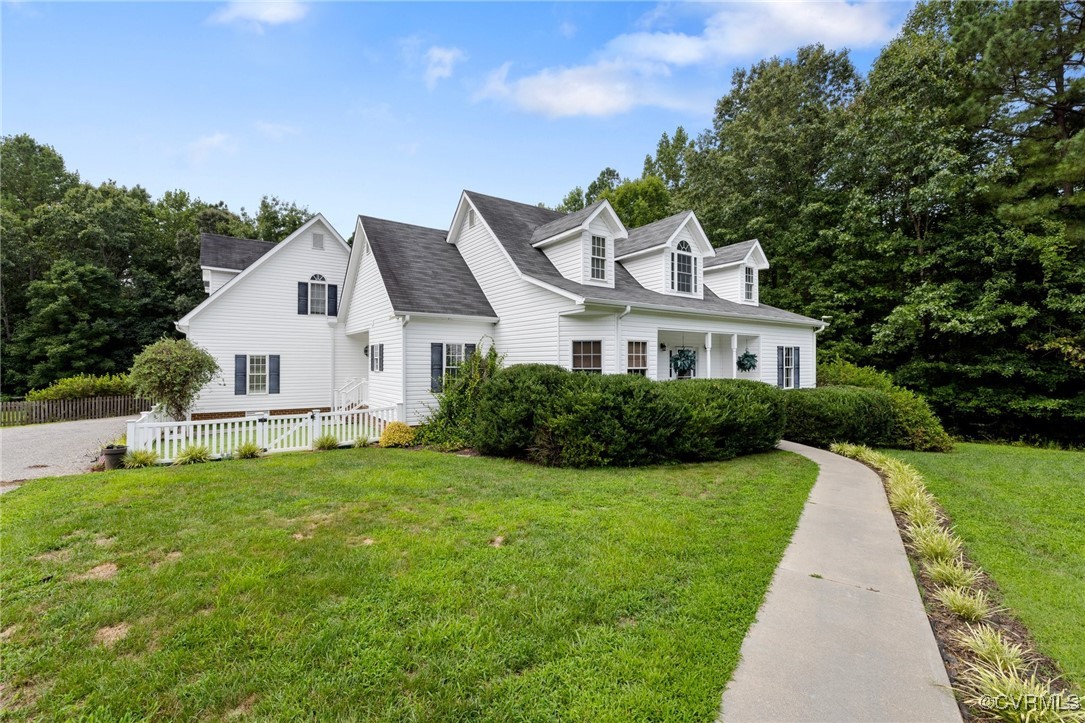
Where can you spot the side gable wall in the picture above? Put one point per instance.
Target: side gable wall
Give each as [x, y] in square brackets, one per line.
[259, 315]
[371, 311]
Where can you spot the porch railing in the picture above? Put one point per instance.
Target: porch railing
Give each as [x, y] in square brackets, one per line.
[351, 395]
[222, 437]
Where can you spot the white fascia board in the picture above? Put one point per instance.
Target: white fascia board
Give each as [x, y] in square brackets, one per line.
[360, 241]
[705, 312]
[221, 268]
[457, 218]
[623, 232]
[458, 317]
[550, 287]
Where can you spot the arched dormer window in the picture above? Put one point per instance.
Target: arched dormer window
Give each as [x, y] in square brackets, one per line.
[684, 269]
[318, 294]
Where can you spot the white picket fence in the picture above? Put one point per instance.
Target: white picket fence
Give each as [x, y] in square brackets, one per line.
[288, 433]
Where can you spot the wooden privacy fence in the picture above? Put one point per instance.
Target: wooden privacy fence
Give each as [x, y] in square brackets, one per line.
[222, 437]
[66, 410]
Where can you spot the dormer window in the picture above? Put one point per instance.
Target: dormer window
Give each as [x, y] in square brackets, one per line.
[684, 269]
[598, 258]
[749, 285]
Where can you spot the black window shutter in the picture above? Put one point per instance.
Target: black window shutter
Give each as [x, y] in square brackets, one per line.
[436, 366]
[380, 357]
[797, 377]
[780, 367]
[468, 349]
[303, 297]
[273, 374]
[241, 370]
[333, 300]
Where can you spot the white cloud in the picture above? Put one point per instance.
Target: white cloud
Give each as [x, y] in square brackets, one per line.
[567, 30]
[219, 143]
[440, 63]
[627, 70]
[256, 15]
[275, 131]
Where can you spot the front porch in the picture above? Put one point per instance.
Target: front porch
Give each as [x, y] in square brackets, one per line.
[683, 354]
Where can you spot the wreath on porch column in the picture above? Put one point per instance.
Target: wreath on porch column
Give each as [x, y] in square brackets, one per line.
[746, 361]
[683, 360]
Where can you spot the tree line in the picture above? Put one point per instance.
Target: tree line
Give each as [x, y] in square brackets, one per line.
[93, 273]
[934, 209]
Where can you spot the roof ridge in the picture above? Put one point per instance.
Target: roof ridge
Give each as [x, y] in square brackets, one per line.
[237, 238]
[363, 217]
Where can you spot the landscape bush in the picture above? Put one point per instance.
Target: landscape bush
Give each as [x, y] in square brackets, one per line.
[396, 434]
[558, 417]
[172, 372]
[450, 424]
[83, 386]
[823, 416]
[915, 425]
[248, 450]
[193, 454]
[326, 442]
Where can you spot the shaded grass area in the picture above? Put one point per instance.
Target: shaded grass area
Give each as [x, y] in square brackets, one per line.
[389, 585]
[1021, 514]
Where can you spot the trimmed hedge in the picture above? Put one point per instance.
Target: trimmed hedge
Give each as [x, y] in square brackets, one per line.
[83, 386]
[915, 425]
[825, 415]
[558, 417]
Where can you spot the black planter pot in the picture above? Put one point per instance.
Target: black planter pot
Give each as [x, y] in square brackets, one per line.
[113, 454]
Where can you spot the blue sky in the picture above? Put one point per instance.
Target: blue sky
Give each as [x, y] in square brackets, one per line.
[388, 109]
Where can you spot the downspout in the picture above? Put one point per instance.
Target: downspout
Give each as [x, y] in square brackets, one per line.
[402, 415]
[331, 328]
[618, 337]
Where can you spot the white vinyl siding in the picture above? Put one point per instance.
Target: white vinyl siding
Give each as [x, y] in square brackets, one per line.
[371, 319]
[647, 270]
[260, 312]
[420, 334]
[726, 282]
[566, 258]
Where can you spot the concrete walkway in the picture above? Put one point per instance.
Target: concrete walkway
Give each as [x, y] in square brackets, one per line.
[46, 450]
[841, 635]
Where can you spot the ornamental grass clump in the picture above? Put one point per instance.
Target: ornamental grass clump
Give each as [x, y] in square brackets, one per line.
[139, 458]
[970, 605]
[932, 543]
[951, 573]
[992, 648]
[396, 434]
[248, 450]
[193, 454]
[1014, 695]
[325, 442]
[917, 506]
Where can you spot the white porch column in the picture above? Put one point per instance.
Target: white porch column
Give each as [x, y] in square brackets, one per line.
[708, 355]
[734, 356]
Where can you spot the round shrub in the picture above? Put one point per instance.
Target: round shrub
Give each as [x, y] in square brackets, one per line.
[508, 404]
[248, 450]
[139, 458]
[725, 418]
[396, 434]
[824, 415]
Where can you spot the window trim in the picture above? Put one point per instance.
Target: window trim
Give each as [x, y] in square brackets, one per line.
[749, 283]
[447, 370]
[250, 374]
[680, 255]
[789, 367]
[591, 355]
[629, 354]
[593, 257]
[314, 281]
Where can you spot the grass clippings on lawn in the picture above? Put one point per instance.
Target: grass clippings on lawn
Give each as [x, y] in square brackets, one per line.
[612, 595]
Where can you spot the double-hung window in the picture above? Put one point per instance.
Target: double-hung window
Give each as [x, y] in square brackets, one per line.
[588, 357]
[317, 297]
[258, 374]
[684, 269]
[787, 367]
[749, 283]
[376, 357]
[445, 362]
[598, 258]
[637, 358]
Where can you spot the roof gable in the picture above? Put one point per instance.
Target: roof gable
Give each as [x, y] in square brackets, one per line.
[184, 321]
[228, 252]
[744, 252]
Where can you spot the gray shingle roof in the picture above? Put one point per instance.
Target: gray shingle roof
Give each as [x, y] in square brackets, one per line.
[564, 223]
[650, 235]
[422, 272]
[514, 224]
[227, 252]
[730, 254]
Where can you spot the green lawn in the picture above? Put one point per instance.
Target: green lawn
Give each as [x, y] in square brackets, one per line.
[1021, 514]
[389, 585]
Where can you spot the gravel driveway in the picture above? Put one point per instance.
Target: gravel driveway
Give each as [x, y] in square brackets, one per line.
[47, 450]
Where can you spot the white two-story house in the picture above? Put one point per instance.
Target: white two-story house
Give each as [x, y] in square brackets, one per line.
[579, 290]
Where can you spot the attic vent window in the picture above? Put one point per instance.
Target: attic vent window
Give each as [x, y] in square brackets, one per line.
[318, 241]
[598, 258]
[470, 218]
